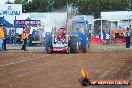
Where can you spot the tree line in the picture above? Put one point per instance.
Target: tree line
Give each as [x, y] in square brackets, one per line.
[84, 7]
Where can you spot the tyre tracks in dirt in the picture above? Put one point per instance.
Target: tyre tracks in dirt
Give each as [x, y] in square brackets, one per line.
[27, 70]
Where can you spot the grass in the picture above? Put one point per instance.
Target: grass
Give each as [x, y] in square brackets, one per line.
[112, 47]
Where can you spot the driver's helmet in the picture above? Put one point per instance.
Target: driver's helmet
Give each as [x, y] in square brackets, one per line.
[59, 37]
[64, 32]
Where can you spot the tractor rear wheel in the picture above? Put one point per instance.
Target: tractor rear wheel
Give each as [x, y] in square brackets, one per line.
[73, 44]
[48, 45]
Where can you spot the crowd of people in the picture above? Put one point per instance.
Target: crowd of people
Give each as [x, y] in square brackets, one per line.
[3, 38]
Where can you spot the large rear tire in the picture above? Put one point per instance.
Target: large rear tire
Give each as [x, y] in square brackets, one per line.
[73, 44]
[48, 41]
[84, 42]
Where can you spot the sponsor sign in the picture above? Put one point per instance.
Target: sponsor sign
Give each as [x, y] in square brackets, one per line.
[10, 9]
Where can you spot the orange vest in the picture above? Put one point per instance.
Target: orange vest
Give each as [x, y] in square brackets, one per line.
[24, 35]
[1, 33]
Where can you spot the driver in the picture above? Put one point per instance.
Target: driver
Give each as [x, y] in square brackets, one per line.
[81, 29]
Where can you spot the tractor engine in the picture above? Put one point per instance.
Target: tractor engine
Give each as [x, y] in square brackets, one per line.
[61, 35]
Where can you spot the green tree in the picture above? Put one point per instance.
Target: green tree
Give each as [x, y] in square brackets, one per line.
[17, 1]
[20, 1]
[8, 2]
[24, 4]
[39, 5]
[91, 7]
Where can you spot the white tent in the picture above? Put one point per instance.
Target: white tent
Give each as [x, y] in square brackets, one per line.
[116, 15]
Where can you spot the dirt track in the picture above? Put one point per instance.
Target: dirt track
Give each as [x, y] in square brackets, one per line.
[38, 70]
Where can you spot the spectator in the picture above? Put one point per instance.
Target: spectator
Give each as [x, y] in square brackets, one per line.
[127, 35]
[107, 38]
[24, 37]
[1, 37]
[5, 38]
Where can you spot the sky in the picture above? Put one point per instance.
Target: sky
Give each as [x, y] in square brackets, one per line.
[3, 1]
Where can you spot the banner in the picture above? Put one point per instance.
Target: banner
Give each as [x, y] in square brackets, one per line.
[10, 9]
[27, 22]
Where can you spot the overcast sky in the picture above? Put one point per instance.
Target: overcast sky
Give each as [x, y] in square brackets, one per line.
[3, 1]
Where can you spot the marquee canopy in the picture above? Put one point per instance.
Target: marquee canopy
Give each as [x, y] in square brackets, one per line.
[5, 22]
[116, 15]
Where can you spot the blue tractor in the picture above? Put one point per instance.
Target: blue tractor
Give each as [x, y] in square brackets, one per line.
[79, 38]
